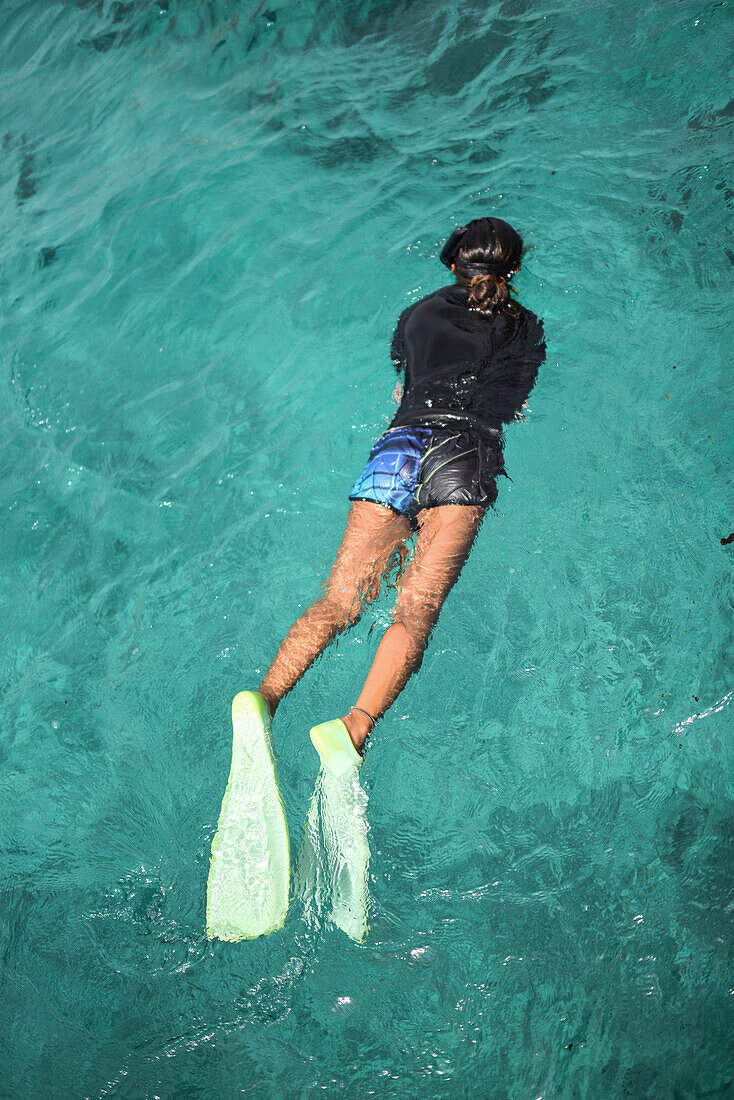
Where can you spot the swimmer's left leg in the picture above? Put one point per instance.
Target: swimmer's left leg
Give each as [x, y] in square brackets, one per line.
[445, 537]
[374, 538]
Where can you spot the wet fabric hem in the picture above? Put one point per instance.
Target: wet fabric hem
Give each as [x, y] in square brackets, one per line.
[382, 504]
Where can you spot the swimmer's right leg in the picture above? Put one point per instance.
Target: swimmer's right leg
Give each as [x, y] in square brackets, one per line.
[373, 542]
[374, 538]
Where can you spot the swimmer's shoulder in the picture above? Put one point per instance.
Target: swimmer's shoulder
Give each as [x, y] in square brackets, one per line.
[438, 301]
[531, 323]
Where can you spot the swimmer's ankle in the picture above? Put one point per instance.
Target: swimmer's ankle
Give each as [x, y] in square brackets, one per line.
[358, 728]
[270, 701]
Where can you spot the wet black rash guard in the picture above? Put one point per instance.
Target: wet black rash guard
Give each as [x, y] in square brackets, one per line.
[462, 368]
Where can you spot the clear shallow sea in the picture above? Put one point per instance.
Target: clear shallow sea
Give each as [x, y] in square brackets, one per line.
[211, 215]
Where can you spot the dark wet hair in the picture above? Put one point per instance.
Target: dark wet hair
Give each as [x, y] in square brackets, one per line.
[486, 252]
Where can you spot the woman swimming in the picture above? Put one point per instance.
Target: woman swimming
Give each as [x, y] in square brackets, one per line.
[469, 355]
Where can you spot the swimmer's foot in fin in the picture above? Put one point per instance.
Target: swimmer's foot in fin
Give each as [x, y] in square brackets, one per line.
[247, 891]
[335, 747]
[344, 826]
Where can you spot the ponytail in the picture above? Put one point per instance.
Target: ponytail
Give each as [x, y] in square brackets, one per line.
[490, 294]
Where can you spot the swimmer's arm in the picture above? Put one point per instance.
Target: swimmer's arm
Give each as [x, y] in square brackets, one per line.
[397, 393]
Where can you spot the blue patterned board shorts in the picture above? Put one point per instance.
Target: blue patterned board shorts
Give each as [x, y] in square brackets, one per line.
[411, 468]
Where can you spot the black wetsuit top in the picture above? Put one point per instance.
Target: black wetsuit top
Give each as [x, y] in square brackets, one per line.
[462, 368]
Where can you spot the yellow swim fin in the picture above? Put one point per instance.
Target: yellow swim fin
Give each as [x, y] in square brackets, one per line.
[247, 891]
[345, 828]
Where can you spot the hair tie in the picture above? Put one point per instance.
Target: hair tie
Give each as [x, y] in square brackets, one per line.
[500, 267]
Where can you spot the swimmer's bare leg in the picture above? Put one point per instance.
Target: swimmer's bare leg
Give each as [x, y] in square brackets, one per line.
[445, 537]
[374, 539]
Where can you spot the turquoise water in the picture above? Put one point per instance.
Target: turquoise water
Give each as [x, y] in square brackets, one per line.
[212, 215]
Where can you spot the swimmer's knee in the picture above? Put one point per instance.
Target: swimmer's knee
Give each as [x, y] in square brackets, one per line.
[418, 617]
[411, 634]
[399, 633]
[400, 629]
[341, 610]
